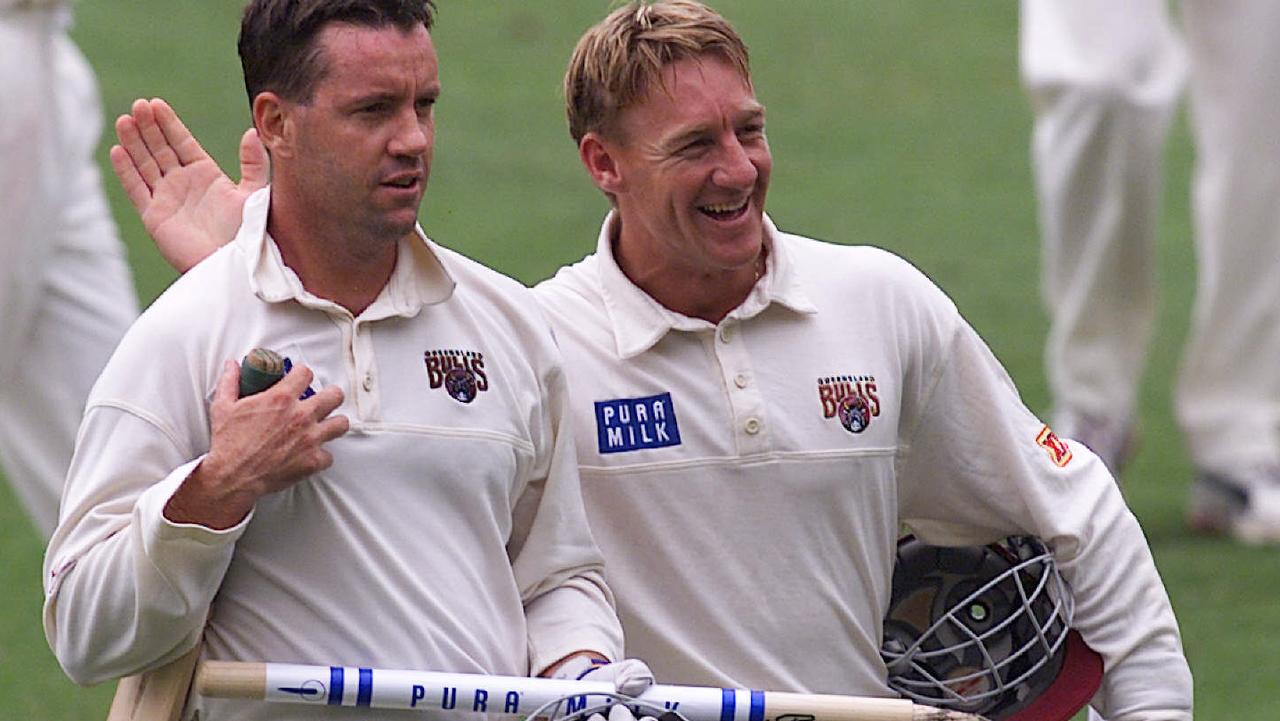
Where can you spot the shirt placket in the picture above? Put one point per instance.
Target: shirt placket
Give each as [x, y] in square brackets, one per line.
[750, 429]
[362, 368]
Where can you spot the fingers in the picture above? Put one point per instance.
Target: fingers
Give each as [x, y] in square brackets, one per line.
[144, 114]
[325, 401]
[621, 712]
[295, 381]
[229, 382]
[332, 428]
[186, 148]
[135, 187]
[255, 164]
[228, 388]
[155, 142]
[318, 407]
[269, 441]
[130, 136]
[632, 676]
[322, 461]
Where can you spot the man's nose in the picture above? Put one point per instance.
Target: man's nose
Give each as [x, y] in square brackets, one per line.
[735, 169]
[413, 134]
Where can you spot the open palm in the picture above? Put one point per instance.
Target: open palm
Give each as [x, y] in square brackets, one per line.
[187, 204]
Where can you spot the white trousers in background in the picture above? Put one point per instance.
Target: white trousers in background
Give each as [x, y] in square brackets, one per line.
[1104, 79]
[66, 294]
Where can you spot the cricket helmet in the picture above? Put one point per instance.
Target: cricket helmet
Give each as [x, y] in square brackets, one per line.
[987, 630]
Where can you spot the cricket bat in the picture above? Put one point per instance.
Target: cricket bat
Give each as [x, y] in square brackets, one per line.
[430, 692]
[158, 695]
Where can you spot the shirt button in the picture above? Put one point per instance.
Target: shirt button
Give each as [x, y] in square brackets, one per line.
[740, 380]
[726, 334]
[752, 426]
[368, 382]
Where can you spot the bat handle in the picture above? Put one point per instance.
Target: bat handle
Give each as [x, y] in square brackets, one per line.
[230, 679]
[260, 369]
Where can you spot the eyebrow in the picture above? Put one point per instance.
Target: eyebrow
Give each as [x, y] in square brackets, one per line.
[431, 92]
[752, 112]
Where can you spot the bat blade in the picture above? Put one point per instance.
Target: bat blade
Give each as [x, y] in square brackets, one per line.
[158, 695]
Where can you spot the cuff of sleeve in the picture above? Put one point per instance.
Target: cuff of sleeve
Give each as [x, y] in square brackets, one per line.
[150, 510]
[568, 620]
[182, 545]
[577, 667]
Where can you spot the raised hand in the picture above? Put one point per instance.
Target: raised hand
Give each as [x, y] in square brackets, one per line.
[260, 444]
[187, 204]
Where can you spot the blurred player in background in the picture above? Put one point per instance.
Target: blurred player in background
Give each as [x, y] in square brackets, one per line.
[757, 413]
[407, 495]
[66, 294]
[1104, 79]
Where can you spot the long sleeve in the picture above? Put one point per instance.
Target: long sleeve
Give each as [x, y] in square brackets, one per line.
[557, 565]
[126, 590]
[977, 465]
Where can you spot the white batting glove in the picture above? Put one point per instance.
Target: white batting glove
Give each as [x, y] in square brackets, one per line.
[620, 712]
[630, 677]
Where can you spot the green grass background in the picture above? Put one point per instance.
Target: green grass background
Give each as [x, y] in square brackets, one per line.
[898, 124]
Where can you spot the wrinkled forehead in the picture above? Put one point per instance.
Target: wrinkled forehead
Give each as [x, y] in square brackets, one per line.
[694, 92]
[352, 54]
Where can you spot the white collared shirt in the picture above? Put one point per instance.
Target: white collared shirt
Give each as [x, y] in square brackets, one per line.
[447, 535]
[747, 480]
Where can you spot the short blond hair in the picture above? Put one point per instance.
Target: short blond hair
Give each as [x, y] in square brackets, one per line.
[617, 60]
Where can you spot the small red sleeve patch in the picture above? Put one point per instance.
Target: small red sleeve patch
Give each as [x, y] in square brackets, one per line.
[1058, 450]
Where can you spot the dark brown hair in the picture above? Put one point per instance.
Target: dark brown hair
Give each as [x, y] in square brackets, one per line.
[277, 38]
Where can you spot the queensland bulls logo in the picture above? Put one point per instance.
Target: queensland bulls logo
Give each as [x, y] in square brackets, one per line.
[459, 372]
[1058, 450]
[854, 412]
[852, 399]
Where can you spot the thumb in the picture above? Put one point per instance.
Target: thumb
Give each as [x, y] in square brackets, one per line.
[632, 676]
[255, 164]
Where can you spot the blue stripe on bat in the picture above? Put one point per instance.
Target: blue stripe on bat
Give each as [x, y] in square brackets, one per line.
[365, 692]
[727, 699]
[757, 706]
[335, 685]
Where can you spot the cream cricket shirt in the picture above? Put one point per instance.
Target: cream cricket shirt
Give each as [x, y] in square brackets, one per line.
[448, 535]
[746, 481]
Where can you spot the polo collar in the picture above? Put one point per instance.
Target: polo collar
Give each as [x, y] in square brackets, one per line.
[420, 277]
[638, 321]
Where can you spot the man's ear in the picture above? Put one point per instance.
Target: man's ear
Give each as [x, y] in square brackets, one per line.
[273, 117]
[599, 157]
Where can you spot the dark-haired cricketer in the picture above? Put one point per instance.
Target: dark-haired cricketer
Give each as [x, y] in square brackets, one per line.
[407, 495]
